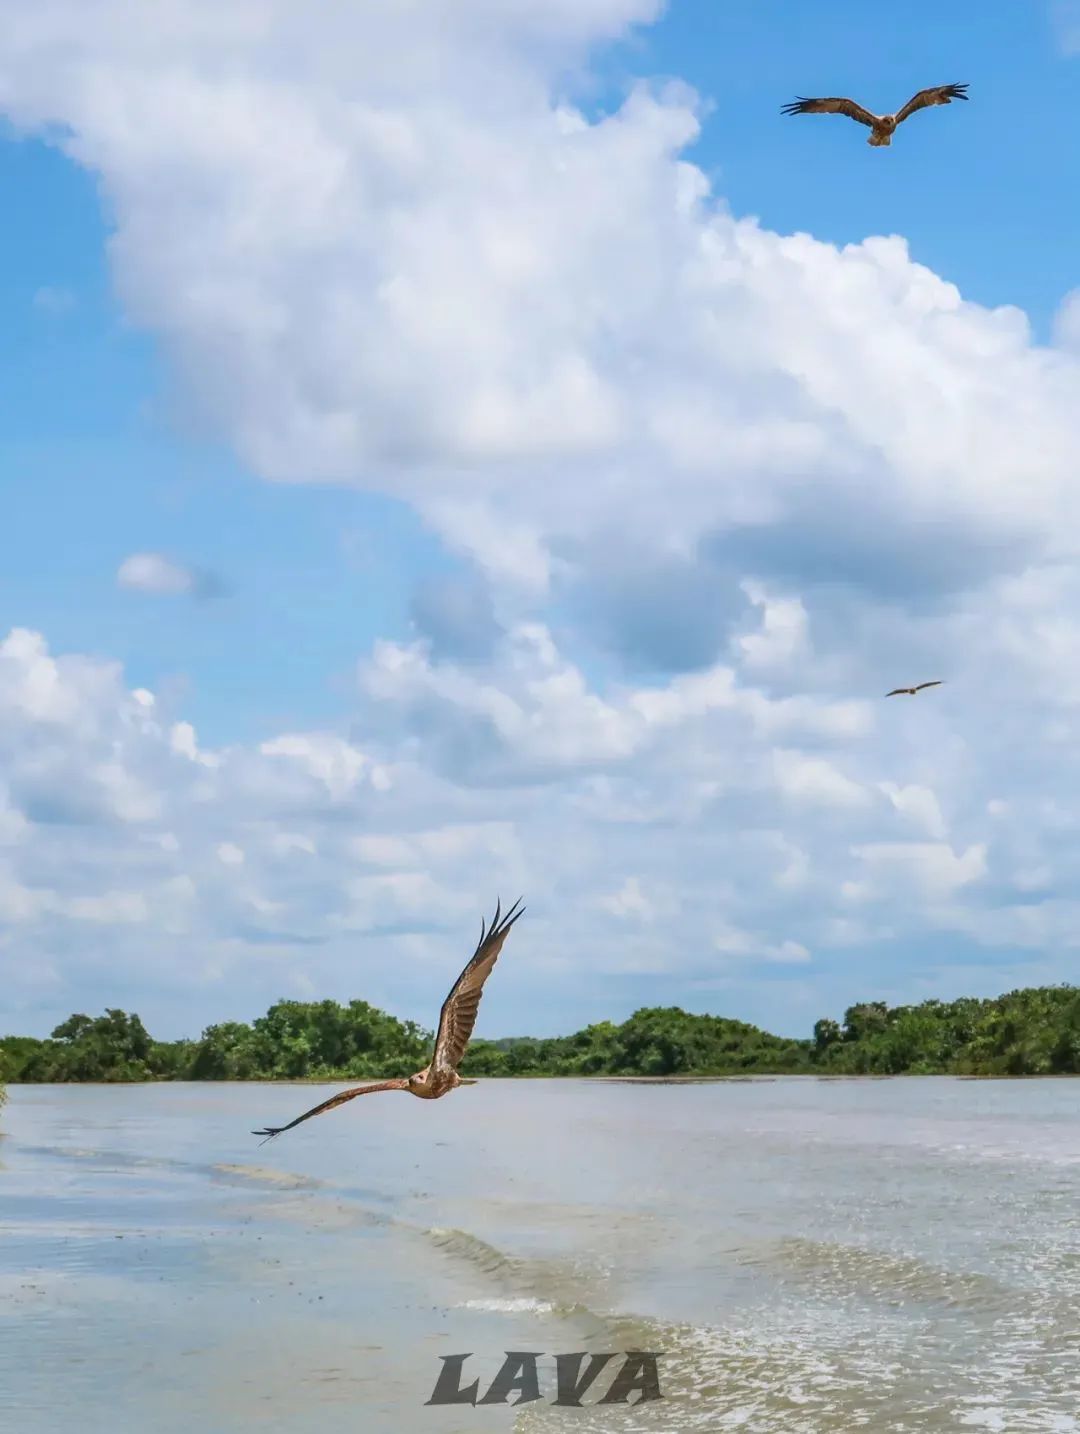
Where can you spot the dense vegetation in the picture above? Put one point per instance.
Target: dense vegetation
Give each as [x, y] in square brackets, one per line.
[1032, 1032]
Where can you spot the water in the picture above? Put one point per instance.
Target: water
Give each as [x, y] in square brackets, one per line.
[809, 1256]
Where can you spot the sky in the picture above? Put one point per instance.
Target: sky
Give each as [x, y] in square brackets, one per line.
[475, 448]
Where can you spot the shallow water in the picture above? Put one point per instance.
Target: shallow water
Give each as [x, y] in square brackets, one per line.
[808, 1256]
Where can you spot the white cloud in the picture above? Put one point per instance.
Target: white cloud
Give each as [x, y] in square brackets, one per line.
[813, 779]
[541, 716]
[1067, 322]
[629, 901]
[919, 805]
[184, 743]
[163, 576]
[335, 764]
[730, 941]
[522, 320]
[275, 860]
[933, 867]
[783, 634]
[154, 573]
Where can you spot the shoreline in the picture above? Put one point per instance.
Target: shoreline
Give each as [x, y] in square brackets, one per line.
[756, 1079]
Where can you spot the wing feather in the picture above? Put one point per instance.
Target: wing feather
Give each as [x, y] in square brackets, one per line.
[458, 1015]
[832, 105]
[928, 684]
[937, 95]
[335, 1100]
[897, 690]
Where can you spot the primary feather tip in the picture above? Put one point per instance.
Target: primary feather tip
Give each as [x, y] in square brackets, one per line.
[503, 920]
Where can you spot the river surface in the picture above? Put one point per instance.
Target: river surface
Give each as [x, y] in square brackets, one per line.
[806, 1256]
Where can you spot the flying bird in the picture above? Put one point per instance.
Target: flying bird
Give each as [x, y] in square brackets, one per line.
[456, 1021]
[881, 126]
[911, 691]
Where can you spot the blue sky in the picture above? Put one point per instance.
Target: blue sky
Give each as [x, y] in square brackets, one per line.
[442, 441]
[977, 206]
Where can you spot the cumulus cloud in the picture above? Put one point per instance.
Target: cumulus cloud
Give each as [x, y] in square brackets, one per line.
[526, 321]
[163, 576]
[628, 902]
[782, 636]
[274, 860]
[154, 573]
[932, 867]
[814, 779]
[919, 804]
[541, 718]
[730, 941]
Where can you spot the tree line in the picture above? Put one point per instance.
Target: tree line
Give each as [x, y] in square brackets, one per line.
[1026, 1032]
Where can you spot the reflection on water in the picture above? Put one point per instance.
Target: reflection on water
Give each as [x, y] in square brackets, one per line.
[810, 1256]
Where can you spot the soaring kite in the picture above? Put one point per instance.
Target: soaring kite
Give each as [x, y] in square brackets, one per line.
[881, 126]
[455, 1028]
[911, 691]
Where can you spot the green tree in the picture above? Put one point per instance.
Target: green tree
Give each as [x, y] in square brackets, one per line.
[826, 1034]
[866, 1020]
[1026, 1032]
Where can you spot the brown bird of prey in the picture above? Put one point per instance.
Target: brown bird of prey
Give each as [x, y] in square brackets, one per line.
[911, 691]
[456, 1023]
[881, 126]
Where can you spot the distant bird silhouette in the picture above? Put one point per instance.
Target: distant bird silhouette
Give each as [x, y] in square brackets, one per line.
[882, 127]
[911, 691]
[456, 1021]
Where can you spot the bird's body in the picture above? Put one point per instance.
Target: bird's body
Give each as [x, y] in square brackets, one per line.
[430, 1085]
[882, 127]
[911, 691]
[882, 132]
[456, 1021]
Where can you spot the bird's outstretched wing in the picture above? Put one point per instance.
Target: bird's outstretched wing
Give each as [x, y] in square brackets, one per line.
[334, 1100]
[832, 106]
[897, 690]
[938, 95]
[458, 1015]
[928, 684]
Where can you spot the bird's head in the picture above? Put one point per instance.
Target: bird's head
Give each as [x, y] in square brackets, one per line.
[888, 121]
[418, 1081]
